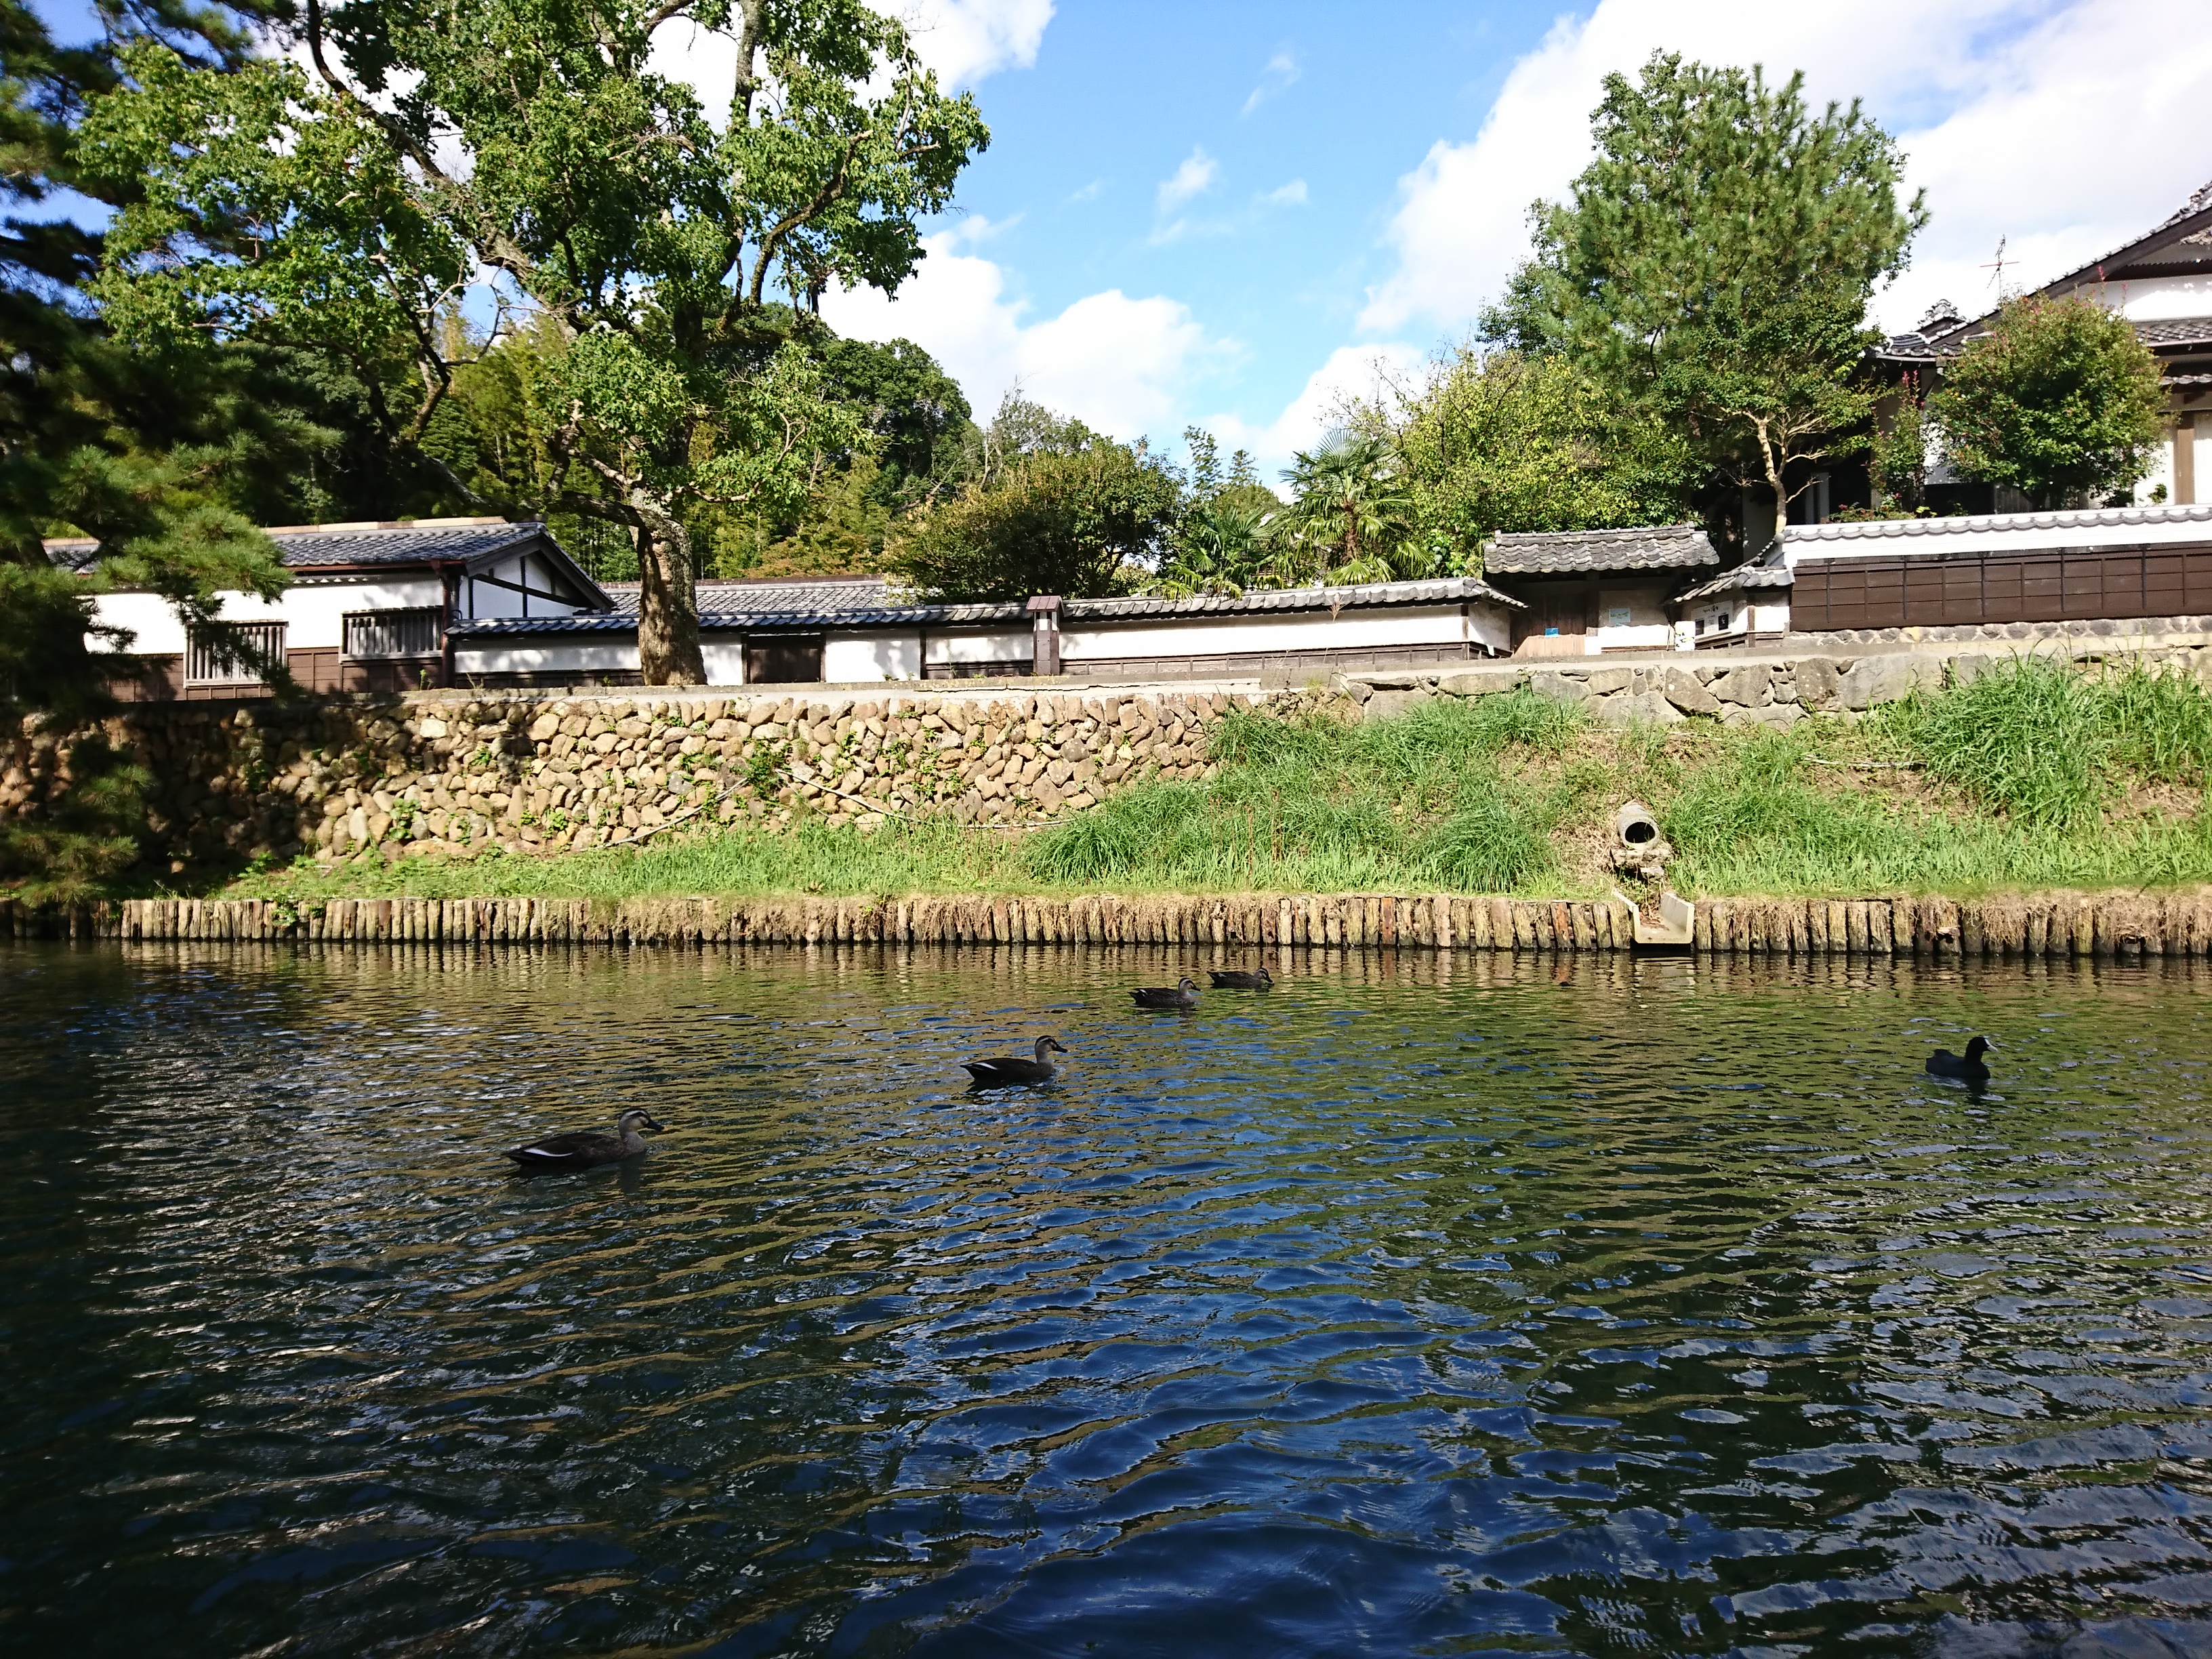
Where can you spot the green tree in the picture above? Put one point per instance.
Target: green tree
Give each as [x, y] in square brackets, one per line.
[1713, 263]
[1224, 537]
[1505, 441]
[2058, 400]
[533, 160]
[1351, 517]
[1896, 459]
[150, 456]
[1056, 509]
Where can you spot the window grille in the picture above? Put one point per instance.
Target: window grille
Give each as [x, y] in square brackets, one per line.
[372, 634]
[231, 653]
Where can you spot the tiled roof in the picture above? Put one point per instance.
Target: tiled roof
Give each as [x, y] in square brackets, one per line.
[826, 596]
[1591, 552]
[2170, 332]
[715, 616]
[1744, 576]
[1999, 523]
[321, 546]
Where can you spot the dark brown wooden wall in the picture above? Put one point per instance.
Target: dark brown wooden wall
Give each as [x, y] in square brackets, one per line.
[1962, 589]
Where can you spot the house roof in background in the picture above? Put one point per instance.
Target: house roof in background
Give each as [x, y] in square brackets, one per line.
[2181, 246]
[1594, 552]
[471, 543]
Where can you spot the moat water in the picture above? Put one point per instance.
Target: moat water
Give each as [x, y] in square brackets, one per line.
[1613, 1307]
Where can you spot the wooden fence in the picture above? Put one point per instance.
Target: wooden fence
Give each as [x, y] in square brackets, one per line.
[2056, 925]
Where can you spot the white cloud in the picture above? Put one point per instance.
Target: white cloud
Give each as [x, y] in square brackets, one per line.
[1279, 74]
[966, 41]
[1090, 193]
[1290, 195]
[1194, 178]
[1351, 372]
[1124, 365]
[963, 40]
[2069, 129]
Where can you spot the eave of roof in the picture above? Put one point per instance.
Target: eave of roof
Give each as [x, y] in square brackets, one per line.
[1743, 577]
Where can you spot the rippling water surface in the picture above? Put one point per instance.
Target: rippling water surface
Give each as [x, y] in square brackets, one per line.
[1615, 1310]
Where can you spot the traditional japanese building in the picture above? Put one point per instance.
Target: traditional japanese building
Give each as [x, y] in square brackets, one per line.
[2162, 283]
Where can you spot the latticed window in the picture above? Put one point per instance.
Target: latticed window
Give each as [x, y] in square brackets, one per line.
[410, 632]
[231, 654]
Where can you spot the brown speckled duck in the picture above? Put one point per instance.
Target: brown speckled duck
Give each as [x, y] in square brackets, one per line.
[587, 1149]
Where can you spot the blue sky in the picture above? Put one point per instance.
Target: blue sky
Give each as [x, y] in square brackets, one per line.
[1234, 214]
[1229, 214]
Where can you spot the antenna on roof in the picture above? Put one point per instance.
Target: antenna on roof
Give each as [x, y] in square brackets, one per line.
[1998, 267]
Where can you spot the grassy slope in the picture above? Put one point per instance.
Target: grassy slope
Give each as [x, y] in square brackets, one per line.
[2032, 777]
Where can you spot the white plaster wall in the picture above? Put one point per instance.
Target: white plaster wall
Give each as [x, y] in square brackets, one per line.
[567, 657]
[850, 657]
[1306, 630]
[313, 612]
[481, 598]
[1770, 616]
[2157, 484]
[2153, 300]
[976, 645]
[1647, 628]
[725, 658]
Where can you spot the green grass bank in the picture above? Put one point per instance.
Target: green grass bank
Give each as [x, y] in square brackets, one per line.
[2034, 776]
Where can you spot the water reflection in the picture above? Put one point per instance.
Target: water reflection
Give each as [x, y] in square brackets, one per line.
[1416, 1306]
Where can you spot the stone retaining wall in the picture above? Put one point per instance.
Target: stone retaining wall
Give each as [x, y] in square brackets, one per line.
[455, 773]
[2122, 926]
[1777, 688]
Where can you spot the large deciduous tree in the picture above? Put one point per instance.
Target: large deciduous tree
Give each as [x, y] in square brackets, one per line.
[514, 160]
[2058, 400]
[1714, 261]
[1505, 441]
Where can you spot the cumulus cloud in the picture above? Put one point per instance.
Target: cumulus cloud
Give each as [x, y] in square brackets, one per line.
[1280, 73]
[963, 40]
[1365, 372]
[1194, 178]
[2052, 125]
[1123, 365]
[1291, 195]
[966, 41]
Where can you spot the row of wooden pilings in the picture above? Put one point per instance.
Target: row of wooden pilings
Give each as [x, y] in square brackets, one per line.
[2062, 925]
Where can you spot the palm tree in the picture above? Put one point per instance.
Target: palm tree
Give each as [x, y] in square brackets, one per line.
[1222, 546]
[1351, 519]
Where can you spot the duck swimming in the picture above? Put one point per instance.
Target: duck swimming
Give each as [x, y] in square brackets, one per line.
[1185, 995]
[1966, 1068]
[1235, 979]
[998, 1073]
[587, 1149]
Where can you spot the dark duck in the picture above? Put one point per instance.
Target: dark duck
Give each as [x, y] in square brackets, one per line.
[1236, 979]
[1966, 1068]
[1184, 995]
[1011, 1069]
[587, 1149]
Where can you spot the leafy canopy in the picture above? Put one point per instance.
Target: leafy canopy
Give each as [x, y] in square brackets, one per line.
[527, 160]
[1053, 507]
[2058, 400]
[1712, 264]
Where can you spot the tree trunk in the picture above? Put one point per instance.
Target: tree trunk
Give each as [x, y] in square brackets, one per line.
[667, 601]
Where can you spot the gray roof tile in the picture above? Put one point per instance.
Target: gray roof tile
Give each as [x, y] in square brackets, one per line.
[1591, 552]
[1743, 577]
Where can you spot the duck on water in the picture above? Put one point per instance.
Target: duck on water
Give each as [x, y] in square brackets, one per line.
[1238, 979]
[1183, 995]
[587, 1149]
[1012, 1068]
[1967, 1067]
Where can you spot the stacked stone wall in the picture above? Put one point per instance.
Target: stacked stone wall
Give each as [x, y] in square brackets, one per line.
[447, 774]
